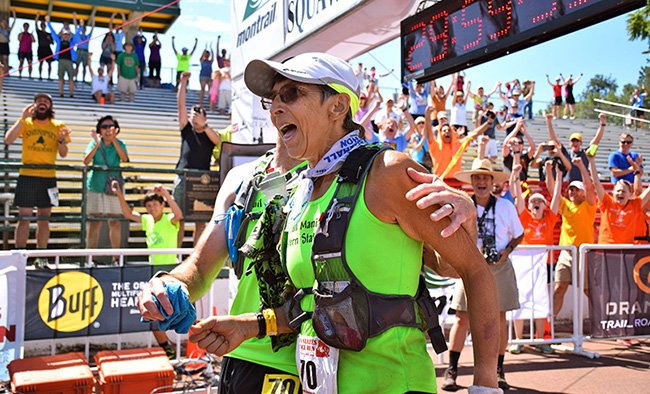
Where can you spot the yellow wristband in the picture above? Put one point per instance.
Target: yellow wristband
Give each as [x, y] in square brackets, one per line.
[271, 322]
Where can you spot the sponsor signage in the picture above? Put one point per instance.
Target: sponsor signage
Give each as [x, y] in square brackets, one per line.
[619, 292]
[257, 31]
[12, 296]
[306, 16]
[82, 302]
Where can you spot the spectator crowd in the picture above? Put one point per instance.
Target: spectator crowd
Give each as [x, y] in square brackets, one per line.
[120, 54]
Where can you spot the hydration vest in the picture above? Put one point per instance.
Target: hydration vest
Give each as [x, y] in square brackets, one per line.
[367, 314]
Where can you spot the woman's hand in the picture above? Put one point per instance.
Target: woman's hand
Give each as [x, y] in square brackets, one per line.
[454, 203]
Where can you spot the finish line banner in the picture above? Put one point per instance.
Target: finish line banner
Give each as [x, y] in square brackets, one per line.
[619, 292]
[83, 302]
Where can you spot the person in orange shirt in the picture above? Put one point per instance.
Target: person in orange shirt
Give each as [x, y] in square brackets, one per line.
[642, 228]
[620, 210]
[444, 146]
[578, 213]
[538, 230]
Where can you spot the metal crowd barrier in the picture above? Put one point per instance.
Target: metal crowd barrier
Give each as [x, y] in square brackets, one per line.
[88, 254]
[73, 191]
[630, 248]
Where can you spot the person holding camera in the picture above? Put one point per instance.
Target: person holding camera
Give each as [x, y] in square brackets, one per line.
[514, 145]
[499, 233]
[553, 155]
[490, 117]
[197, 143]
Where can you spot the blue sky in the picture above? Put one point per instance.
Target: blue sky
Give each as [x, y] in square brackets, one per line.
[600, 49]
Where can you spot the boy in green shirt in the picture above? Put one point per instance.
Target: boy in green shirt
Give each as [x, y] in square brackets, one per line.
[161, 230]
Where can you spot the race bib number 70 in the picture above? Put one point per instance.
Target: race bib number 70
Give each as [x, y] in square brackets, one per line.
[280, 384]
[318, 365]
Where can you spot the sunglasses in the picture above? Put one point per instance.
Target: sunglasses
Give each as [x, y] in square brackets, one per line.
[576, 140]
[626, 142]
[107, 126]
[288, 94]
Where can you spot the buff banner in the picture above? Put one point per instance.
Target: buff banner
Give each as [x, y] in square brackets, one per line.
[12, 271]
[530, 270]
[84, 302]
[619, 292]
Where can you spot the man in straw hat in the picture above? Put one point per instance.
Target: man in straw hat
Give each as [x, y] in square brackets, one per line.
[499, 232]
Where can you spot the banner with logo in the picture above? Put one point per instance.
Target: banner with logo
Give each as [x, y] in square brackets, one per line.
[306, 16]
[530, 270]
[12, 311]
[257, 31]
[83, 302]
[619, 292]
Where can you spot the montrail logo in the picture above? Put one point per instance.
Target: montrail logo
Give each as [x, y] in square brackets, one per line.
[252, 6]
[263, 21]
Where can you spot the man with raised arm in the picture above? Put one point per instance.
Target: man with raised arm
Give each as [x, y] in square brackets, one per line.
[575, 142]
[198, 140]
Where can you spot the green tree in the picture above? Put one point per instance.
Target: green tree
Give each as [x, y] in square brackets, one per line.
[638, 24]
[599, 87]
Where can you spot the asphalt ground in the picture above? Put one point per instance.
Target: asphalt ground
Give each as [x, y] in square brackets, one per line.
[619, 369]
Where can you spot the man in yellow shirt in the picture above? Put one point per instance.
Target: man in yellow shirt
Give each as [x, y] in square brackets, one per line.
[578, 216]
[42, 138]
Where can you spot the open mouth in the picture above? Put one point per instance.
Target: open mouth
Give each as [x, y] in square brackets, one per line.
[288, 131]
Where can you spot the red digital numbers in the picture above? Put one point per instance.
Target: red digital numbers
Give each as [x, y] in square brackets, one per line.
[439, 37]
[496, 10]
[413, 63]
[576, 3]
[469, 21]
[548, 12]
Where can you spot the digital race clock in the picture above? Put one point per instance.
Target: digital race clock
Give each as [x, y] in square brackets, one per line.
[456, 34]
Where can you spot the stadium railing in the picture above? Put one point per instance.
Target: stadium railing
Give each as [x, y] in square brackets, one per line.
[72, 210]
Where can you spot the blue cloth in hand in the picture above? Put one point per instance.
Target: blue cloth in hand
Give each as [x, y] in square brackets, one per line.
[184, 314]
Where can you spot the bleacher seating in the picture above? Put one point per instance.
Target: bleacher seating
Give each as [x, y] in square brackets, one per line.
[148, 127]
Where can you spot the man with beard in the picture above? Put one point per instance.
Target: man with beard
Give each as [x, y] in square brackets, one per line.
[42, 137]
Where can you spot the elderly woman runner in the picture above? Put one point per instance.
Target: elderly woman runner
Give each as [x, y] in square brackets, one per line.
[312, 98]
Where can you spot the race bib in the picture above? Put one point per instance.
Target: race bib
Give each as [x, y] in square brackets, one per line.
[53, 192]
[280, 384]
[318, 365]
